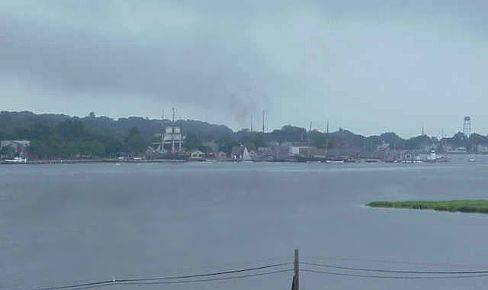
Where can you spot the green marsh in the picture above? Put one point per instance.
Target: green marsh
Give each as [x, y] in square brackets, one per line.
[470, 206]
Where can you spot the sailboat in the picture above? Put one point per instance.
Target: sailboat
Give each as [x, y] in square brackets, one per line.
[246, 157]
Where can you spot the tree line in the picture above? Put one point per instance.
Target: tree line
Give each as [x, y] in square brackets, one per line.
[63, 136]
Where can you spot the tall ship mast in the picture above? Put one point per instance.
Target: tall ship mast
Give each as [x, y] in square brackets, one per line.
[172, 138]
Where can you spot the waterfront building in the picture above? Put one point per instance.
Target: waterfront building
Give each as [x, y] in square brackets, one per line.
[197, 155]
[14, 148]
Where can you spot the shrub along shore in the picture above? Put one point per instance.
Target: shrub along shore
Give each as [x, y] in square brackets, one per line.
[471, 206]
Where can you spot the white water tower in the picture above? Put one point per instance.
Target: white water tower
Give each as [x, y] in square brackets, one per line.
[467, 126]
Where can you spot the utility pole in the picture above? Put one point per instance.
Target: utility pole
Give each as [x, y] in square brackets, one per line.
[326, 140]
[295, 285]
[263, 121]
[173, 133]
[180, 135]
[162, 132]
[310, 137]
[251, 124]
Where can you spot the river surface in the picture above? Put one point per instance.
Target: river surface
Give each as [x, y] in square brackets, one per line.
[63, 224]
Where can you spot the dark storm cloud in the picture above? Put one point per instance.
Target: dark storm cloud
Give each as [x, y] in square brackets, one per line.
[300, 61]
[202, 70]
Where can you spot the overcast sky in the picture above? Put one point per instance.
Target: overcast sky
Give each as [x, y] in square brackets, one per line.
[367, 66]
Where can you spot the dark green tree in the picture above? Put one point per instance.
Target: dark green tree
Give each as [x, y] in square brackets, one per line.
[135, 142]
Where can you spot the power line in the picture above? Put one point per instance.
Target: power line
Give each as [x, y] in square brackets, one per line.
[395, 271]
[164, 279]
[242, 264]
[385, 261]
[88, 287]
[206, 274]
[78, 286]
[395, 277]
[275, 268]
[128, 282]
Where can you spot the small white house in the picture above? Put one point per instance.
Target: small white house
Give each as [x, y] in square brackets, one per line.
[297, 150]
[197, 155]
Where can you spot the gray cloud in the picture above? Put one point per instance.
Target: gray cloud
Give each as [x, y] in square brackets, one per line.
[185, 62]
[387, 65]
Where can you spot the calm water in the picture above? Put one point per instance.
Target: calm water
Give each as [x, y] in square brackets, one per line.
[74, 223]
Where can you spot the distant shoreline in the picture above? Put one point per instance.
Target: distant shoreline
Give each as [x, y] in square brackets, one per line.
[78, 161]
[115, 160]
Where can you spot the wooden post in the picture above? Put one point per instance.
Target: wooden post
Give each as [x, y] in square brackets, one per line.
[296, 276]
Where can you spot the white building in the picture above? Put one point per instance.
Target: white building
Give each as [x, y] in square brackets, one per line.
[299, 150]
[197, 155]
[14, 148]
